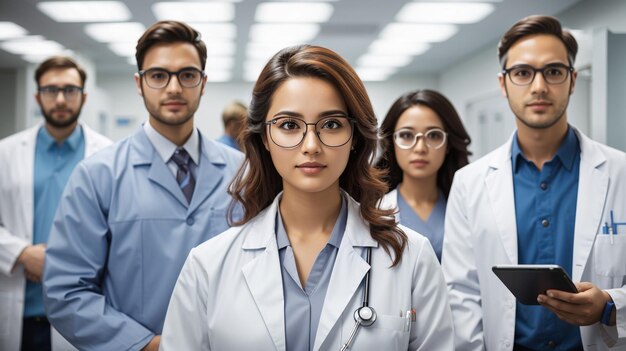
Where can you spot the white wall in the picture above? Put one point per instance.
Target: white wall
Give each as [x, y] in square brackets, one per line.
[124, 102]
[474, 79]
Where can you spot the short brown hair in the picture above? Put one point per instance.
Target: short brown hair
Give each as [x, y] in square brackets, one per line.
[235, 111]
[59, 62]
[169, 32]
[533, 25]
[258, 182]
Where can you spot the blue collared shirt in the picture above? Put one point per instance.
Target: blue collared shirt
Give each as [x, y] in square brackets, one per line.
[545, 208]
[165, 148]
[432, 228]
[303, 305]
[54, 163]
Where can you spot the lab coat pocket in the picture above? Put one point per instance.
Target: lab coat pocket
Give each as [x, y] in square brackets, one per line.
[387, 333]
[609, 258]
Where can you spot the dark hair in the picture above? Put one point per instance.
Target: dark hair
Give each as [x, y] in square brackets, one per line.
[458, 139]
[257, 183]
[59, 62]
[533, 25]
[169, 32]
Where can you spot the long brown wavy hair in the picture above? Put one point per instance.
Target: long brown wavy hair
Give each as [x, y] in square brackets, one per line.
[257, 182]
[458, 138]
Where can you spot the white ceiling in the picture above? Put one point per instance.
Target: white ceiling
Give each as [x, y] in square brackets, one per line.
[353, 26]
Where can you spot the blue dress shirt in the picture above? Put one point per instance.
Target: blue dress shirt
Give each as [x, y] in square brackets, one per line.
[303, 305]
[54, 163]
[432, 228]
[545, 209]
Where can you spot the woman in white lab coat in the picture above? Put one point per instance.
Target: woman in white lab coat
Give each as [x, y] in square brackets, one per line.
[293, 274]
[424, 144]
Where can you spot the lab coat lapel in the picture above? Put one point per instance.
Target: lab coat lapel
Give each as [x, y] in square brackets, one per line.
[143, 153]
[26, 171]
[263, 275]
[209, 174]
[593, 184]
[349, 270]
[499, 183]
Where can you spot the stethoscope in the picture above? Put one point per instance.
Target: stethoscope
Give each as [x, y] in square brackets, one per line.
[364, 315]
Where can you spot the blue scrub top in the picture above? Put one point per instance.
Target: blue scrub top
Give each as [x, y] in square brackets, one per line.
[432, 228]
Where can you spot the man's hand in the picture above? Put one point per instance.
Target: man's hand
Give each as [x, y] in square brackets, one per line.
[582, 308]
[153, 345]
[32, 258]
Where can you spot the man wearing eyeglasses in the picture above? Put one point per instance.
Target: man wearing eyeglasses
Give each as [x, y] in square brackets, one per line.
[542, 198]
[131, 214]
[34, 167]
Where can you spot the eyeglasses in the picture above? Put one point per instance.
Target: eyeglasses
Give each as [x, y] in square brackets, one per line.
[51, 92]
[159, 78]
[406, 138]
[289, 132]
[555, 73]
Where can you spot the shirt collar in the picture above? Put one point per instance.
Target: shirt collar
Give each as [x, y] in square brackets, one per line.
[47, 141]
[335, 237]
[566, 152]
[166, 148]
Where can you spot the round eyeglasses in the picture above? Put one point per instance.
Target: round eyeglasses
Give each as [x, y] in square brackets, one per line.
[51, 92]
[555, 73]
[407, 138]
[159, 78]
[289, 132]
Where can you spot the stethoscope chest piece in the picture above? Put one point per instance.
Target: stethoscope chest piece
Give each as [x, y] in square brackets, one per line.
[365, 316]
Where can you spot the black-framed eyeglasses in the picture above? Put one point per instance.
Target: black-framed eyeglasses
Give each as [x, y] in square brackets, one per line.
[51, 92]
[406, 138]
[289, 132]
[159, 78]
[554, 73]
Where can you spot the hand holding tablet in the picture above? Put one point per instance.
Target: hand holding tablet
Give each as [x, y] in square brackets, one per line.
[527, 281]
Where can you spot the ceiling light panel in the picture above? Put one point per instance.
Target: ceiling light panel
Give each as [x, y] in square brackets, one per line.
[418, 33]
[374, 74]
[188, 11]
[215, 30]
[373, 60]
[9, 30]
[32, 46]
[283, 33]
[444, 12]
[293, 12]
[396, 47]
[124, 49]
[85, 11]
[115, 32]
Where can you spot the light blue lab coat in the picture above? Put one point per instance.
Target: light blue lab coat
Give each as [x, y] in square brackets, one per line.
[120, 237]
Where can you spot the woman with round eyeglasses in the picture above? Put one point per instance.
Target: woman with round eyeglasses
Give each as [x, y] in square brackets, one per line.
[314, 264]
[424, 144]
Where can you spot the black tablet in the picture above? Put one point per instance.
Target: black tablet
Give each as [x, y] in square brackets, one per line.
[527, 281]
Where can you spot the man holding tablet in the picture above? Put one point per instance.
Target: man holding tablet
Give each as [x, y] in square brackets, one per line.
[542, 198]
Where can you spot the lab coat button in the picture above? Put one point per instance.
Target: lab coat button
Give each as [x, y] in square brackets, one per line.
[545, 223]
[507, 344]
[190, 221]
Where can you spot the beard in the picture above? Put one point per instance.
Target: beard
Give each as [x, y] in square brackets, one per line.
[153, 111]
[48, 116]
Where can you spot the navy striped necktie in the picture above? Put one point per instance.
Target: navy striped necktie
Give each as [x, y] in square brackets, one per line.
[183, 175]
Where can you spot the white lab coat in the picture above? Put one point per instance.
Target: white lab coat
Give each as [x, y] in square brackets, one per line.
[229, 294]
[17, 160]
[480, 232]
[390, 202]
